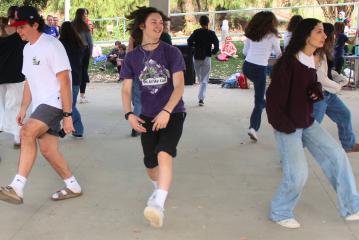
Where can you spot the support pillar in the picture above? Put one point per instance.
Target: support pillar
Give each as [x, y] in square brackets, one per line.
[162, 5]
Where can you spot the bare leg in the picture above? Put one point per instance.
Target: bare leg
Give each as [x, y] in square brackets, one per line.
[165, 171]
[49, 149]
[32, 129]
[153, 173]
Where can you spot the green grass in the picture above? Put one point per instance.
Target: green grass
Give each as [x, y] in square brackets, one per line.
[110, 75]
[224, 69]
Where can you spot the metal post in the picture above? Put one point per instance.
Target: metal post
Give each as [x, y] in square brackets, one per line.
[306, 12]
[124, 29]
[117, 29]
[213, 19]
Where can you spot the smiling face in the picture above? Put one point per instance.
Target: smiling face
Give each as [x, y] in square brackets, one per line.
[56, 22]
[153, 27]
[50, 21]
[317, 37]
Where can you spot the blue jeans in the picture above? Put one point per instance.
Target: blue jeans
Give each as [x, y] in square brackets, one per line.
[136, 98]
[258, 75]
[79, 128]
[331, 158]
[338, 112]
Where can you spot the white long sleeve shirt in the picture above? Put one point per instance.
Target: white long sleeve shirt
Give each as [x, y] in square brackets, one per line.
[333, 86]
[259, 52]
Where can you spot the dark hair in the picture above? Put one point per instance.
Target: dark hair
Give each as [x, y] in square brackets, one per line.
[328, 47]
[294, 22]
[55, 17]
[40, 20]
[69, 35]
[3, 21]
[11, 12]
[260, 25]
[123, 46]
[139, 17]
[296, 43]
[204, 20]
[79, 24]
[339, 28]
[118, 43]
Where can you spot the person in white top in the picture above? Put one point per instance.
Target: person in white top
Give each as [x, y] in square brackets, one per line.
[331, 105]
[262, 38]
[291, 26]
[48, 86]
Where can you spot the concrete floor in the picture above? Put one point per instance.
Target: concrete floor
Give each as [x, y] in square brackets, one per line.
[222, 186]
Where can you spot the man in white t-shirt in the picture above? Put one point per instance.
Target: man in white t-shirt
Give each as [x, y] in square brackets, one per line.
[48, 86]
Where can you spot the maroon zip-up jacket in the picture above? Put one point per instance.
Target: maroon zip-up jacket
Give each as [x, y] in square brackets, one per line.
[288, 105]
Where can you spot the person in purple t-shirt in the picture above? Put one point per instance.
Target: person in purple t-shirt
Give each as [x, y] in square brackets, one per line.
[158, 69]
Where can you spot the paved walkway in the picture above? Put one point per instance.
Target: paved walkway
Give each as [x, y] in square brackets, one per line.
[222, 186]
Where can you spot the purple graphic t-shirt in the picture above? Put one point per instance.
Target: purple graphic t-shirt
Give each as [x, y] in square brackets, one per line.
[155, 76]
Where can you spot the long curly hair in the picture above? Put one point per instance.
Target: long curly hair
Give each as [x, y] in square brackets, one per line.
[138, 17]
[78, 22]
[296, 43]
[260, 25]
[328, 47]
[294, 22]
[69, 35]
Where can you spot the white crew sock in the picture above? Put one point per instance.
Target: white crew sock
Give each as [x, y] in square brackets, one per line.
[72, 184]
[161, 196]
[154, 183]
[16, 138]
[18, 185]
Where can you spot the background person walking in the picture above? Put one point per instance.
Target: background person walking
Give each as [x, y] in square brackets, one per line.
[84, 30]
[262, 38]
[204, 38]
[11, 78]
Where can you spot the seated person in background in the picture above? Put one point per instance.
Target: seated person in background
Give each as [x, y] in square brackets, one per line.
[165, 36]
[111, 56]
[228, 48]
[50, 29]
[121, 55]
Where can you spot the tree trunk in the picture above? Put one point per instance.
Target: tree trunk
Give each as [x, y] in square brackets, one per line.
[199, 5]
[190, 19]
[331, 13]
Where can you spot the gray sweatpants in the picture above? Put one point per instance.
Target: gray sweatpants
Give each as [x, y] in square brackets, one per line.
[203, 70]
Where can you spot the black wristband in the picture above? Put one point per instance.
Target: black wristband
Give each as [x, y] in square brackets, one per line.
[66, 114]
[166, 111]
[128, 114]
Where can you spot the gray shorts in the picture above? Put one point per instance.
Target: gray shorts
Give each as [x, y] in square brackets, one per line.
[49, 115]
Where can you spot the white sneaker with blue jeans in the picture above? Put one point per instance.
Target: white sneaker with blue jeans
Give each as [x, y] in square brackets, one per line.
[331, 158]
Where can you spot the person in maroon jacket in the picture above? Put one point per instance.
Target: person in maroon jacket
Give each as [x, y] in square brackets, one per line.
[290, 98]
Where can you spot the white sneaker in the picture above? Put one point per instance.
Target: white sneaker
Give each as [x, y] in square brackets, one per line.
[84, 100]
[353, 217]
[155, 215]
[252, 134]
[151, 200]
[289, 223]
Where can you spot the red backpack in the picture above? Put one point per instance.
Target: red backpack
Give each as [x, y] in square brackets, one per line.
[242, 82]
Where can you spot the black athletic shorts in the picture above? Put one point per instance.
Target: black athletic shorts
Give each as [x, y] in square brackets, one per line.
[164, 140]
[49, 115]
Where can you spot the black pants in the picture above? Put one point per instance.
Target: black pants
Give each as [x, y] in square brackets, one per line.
[85, 65]
[340, 64]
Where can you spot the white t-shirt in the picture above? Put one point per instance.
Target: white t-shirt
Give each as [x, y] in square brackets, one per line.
[42, 61]
[259, 52]
[286, 39]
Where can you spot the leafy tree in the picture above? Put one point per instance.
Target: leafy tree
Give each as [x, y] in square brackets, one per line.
[331, 13]
[99, 9]
[5, 4]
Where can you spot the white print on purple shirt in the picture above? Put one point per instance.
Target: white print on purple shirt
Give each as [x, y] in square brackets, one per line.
[154, 76]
